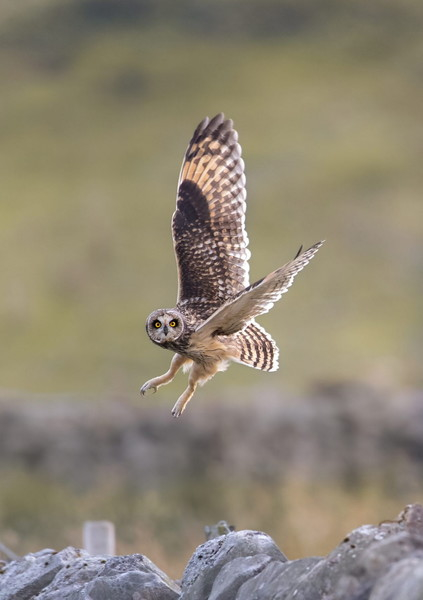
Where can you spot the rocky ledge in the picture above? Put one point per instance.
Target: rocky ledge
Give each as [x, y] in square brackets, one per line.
[374, 562]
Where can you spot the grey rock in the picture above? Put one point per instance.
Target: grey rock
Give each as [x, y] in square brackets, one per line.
[75, 575]
[24, 578]
[131, 577]
[235, 573]
[379, 557]
[277, 580]
[411, 519]
[129, 586]
[383, 562]
[70, 581]
[209, 559]
[354, 568]
[404, 581]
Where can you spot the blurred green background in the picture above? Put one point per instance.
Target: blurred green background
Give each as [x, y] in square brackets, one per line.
[98, 101]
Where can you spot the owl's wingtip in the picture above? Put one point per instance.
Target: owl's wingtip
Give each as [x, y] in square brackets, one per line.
[217, 122]
[314, 247]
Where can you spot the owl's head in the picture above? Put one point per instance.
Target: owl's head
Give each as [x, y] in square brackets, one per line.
[165, 325]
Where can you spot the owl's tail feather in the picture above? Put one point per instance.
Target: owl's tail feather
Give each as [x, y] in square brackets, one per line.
[256, 348]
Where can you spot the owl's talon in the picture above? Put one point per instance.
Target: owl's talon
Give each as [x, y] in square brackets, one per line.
[178, 409]
[176, 412]
[147, 387]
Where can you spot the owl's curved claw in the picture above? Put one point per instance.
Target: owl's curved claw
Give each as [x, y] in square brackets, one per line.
[177, 410]
[147, 387]
[180, 405]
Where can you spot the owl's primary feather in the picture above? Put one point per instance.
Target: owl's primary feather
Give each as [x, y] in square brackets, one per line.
[256, 299]
[213, 321]
[209, 222]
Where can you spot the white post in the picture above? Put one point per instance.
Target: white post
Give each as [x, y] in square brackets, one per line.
[99, 537]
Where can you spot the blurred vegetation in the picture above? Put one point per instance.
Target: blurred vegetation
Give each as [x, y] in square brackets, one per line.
[99, 99]
[166, 524]
[306, 470]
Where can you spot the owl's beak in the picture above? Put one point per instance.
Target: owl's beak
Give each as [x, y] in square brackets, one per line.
[165, 329]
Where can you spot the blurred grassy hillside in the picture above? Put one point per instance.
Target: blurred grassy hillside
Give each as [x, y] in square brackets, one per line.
[99, 99]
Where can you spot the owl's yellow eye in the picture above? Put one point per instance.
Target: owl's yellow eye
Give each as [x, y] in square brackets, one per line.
[173, 323]
[157, 324]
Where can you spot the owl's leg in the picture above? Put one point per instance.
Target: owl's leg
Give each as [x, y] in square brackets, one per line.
[175, 365]
[196, 375]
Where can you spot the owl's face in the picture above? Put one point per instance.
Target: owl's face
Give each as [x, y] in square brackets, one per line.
[165, 325]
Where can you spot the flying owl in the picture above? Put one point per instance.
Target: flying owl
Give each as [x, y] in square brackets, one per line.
[213, 322]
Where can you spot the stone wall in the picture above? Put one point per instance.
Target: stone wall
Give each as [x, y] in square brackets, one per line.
[373, 562]
[339, 432]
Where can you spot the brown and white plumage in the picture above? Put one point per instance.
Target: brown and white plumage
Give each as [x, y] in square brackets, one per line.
[213, 321]
[256, 348]
[209, 222]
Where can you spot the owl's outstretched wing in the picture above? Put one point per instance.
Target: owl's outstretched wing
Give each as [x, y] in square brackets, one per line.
[256, 299]
[208, 224]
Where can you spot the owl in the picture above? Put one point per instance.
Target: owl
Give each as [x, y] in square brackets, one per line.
[213, 322]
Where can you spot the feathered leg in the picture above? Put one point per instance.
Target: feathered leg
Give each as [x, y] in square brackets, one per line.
[197, 375]
[185, 397]
[175, 365]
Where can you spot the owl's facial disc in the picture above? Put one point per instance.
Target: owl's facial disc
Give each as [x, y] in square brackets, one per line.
[164, 326]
